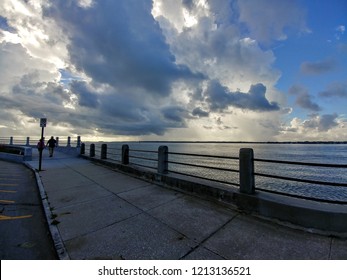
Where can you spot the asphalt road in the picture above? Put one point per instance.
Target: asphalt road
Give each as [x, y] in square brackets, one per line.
[24, 234]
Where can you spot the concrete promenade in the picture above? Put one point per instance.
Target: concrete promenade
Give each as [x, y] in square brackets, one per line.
[98, 213]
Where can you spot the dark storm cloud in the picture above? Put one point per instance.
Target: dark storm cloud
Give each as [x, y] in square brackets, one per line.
[220, 98]
[121, 48]
[119, 43]
[123, 108]
[317, 68]
[174, 114]
[303, 98]
[86, 98]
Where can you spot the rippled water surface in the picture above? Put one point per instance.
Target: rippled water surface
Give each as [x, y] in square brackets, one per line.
[313, 153]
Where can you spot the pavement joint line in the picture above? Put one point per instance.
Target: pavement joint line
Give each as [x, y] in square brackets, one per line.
[210, 235]
[106, 226]
[81, 202]
[131, 217]
[112, 193]
[330, 248]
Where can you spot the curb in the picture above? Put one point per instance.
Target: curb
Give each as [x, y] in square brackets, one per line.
[55, 234]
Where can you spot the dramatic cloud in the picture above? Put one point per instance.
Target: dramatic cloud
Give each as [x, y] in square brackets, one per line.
[119, 43]
[183, 69]
[220, 98]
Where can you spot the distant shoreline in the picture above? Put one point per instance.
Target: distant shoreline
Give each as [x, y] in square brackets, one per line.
[246, 142]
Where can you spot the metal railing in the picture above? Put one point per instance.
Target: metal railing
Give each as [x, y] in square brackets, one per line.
[32, 141]
[189, 164]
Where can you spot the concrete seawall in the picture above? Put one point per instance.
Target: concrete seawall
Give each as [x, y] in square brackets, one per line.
[327, 217]
[17, 153]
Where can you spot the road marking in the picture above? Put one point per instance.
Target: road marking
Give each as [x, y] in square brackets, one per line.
[6, 191]
[8, 185]
[7, 201]
[4, 218]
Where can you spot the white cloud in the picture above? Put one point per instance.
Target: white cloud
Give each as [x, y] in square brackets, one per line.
[341, 29]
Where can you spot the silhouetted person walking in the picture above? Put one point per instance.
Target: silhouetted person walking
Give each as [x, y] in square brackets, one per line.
[51, 143]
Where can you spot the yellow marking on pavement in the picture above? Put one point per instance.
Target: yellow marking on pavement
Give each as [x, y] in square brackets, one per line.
[7, 201]
[4, 218]
[6, 191]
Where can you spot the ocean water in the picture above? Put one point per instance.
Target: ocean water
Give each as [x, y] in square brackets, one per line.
[312, 153]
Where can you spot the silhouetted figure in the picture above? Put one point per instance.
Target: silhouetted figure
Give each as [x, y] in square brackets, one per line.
[40, 145]
[51, 143]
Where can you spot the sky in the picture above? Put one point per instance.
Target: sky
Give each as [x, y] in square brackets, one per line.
[174, 70]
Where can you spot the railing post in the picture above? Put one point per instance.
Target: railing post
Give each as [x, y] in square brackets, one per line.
[57, 139]
[28, 142]
[68, 141]
[163, 160]
[78, 141]
[92, 150]
[11, 140]
[83, 149]
[103, 151]
[125, 154]
[246, 166]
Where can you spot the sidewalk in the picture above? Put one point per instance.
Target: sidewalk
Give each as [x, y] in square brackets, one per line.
[103, 214]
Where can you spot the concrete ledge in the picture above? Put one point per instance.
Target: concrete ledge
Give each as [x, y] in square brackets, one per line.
[328, 217]
[55, 234]
[20, 153]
